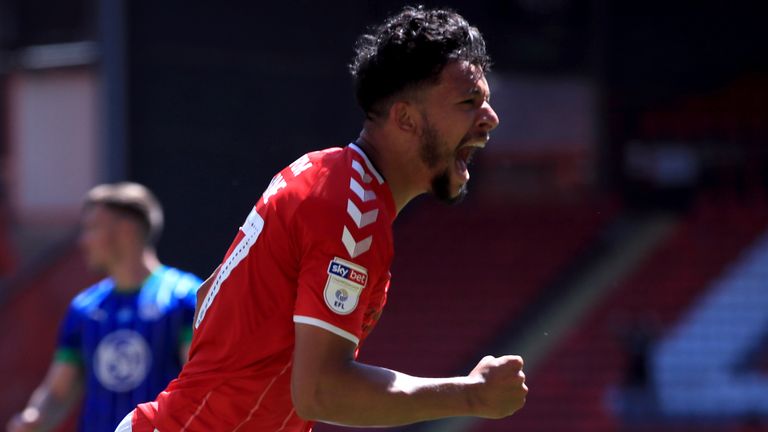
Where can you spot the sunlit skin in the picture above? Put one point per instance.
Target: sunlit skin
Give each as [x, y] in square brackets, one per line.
[98, 237]
[114, 244]
[430, 135]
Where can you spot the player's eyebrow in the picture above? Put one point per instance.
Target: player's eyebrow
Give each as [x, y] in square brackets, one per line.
[476, 91]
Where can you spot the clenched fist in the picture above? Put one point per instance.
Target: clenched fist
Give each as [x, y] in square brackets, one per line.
[500, 388]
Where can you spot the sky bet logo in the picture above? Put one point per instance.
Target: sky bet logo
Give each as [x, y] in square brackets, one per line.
[345, 283]
[348, 271]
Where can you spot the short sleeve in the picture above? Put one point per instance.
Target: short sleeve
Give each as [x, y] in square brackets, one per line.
[339, 265]
[69, 344]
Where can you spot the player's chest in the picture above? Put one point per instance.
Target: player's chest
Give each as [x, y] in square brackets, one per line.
[121, 312]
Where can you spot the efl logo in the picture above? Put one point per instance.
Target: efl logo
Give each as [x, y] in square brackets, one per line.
[348, 271]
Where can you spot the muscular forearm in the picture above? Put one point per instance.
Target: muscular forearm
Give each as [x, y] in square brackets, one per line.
[362, 395]
[328, 385]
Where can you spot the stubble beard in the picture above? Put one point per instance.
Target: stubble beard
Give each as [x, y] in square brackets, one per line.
[430, 156]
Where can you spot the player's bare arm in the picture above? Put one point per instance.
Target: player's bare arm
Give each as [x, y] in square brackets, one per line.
[328, 385]
[51, 401]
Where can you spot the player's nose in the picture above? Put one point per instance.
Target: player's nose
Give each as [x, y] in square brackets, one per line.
[488, 120]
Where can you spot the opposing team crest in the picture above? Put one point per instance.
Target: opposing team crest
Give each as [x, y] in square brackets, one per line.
[345, 283]
[122, 360]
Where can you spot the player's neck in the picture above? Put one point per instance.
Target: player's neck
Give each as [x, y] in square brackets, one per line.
[130, 274]
[393, 170]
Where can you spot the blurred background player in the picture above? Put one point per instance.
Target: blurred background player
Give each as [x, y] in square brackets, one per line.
[124, 338]
[306, 278]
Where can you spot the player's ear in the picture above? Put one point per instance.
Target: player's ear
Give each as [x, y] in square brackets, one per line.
[405, 116]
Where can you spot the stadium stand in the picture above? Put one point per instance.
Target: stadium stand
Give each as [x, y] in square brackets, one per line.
[583, 382]
[705, 366]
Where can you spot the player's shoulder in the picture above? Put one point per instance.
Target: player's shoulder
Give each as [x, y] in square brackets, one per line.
[347, 162]
[179, 282]
[352, 208]
[313, 170]
[180, 277]
[91, 297]
[291, 185]
[345, 174]
[324, 191]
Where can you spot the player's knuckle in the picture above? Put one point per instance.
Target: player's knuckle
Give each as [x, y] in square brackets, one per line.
[512, 362]
[517, 383]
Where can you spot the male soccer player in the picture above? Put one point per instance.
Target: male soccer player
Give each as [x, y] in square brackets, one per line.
[126, 337]
[280, 321]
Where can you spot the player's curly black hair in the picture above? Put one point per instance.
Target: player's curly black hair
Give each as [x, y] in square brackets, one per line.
[409, 49]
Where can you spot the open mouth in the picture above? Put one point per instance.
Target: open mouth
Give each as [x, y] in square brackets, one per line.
[464, 157]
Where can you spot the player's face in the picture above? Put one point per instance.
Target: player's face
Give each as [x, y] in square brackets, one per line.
[457, 119]
[99, 231]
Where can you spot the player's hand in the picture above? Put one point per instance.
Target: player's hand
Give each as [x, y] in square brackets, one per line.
[17, 423]
[500, 388]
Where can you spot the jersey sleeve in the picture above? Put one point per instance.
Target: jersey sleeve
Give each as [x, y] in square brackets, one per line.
[339, 263]
[69, 343]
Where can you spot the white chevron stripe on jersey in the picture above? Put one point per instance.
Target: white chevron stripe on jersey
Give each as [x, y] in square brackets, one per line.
[368, 163]
[360, 170]
[361, 219]
[355, 248]
[357, 188]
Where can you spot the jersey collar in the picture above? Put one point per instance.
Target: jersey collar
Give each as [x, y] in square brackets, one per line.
[368, 163]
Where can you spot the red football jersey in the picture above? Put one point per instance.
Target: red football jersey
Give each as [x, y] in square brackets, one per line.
[316, 249]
